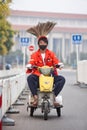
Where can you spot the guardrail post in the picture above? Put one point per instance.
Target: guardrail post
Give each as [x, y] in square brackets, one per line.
[6, 103]
[12, 110]
[7, 121]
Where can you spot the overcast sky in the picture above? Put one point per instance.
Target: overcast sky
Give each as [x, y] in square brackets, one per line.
[63, 6]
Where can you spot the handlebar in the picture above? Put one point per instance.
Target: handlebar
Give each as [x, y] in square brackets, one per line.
[34, 66]
[57, 66]
[60, 65]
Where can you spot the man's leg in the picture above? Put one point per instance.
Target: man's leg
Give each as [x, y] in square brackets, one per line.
[33, 83]
[59, 82]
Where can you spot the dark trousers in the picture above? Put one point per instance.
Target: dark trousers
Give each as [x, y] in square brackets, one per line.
[33, 83]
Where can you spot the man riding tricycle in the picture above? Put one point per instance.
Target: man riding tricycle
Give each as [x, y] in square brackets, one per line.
[44, 82]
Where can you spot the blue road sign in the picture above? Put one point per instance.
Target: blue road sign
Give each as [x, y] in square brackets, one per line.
[76, 38]
[24, 41]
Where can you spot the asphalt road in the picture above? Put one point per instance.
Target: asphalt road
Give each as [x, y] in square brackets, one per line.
[74, 112]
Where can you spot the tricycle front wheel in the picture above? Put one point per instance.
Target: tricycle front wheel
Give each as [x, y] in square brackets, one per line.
[45, 110]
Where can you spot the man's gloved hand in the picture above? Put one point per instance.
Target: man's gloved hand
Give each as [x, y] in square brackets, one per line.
[29, 66]
[61, 65]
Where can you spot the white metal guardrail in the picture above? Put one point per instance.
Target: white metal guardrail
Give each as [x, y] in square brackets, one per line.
[11, 72]
[11, 89]
[82, 72]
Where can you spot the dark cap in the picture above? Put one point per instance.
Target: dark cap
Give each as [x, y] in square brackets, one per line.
[43, 38]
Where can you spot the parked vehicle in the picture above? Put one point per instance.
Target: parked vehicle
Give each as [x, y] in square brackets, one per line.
[8, 66]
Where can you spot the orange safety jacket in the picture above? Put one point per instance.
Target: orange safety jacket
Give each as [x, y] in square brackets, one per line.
[37, 60]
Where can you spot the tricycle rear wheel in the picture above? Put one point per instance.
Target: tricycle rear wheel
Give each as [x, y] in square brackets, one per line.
[31, 111]
[58, 111]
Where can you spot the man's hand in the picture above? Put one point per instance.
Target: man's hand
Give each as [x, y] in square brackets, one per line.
[61, 65]
[29, 66]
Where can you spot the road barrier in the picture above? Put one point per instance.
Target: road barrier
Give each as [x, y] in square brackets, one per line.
[10, 90]
[82, 72]
[9, 73]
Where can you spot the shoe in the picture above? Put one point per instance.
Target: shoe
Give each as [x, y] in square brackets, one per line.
[58, 101]
[56, 104]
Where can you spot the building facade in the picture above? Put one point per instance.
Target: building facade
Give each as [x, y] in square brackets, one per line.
[60, 38]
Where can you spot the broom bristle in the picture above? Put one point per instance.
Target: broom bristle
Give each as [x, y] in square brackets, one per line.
[42, 29]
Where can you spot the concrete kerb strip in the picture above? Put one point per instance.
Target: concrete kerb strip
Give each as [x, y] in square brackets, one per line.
[7, 121]
[12, 110]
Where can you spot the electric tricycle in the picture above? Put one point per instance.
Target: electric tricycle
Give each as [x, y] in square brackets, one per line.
[45, 94]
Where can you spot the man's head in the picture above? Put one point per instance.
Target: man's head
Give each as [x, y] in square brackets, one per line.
[42, 42]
